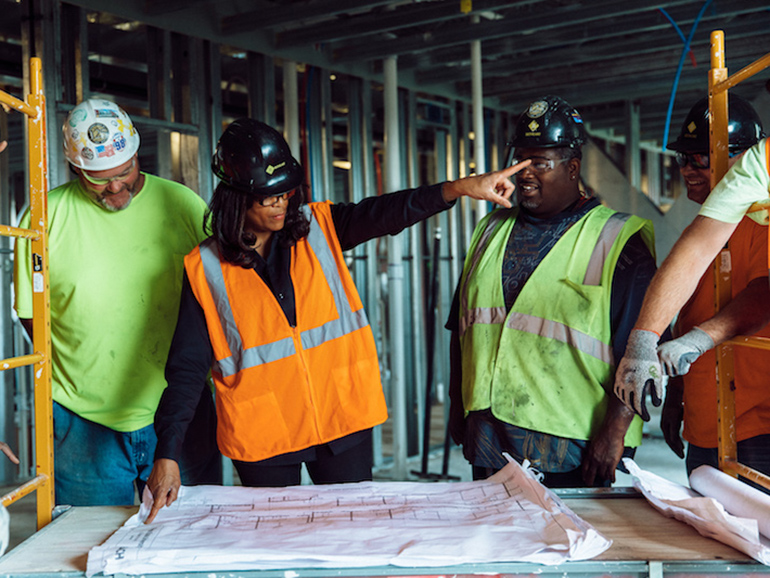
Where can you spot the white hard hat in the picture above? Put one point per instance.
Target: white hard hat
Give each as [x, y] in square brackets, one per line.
[99, 135]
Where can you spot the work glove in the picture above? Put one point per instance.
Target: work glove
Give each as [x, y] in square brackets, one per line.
[679, 354]
[639, 372]
[672, 416]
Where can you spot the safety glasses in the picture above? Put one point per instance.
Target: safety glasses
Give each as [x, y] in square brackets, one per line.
[699, 160]
[539, 164]
[106, 181]
[270, 201]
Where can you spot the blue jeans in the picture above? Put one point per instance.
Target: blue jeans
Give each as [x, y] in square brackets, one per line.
[98, 466]
[753, 452]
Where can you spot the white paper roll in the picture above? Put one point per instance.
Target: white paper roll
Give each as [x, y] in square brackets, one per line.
[738, 498]
[5, 525]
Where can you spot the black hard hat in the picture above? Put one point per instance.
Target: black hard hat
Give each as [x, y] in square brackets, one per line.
[549, 121]
[254, 158]
[744, 128]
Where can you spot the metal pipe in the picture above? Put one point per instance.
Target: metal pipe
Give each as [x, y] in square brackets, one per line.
[41, 301]
[291, 107]
[395, 275]
[733, 467]
[21, 361]
[478, 115]
[743, 73]
[8, 231]
[17, 104]
[25, 489]
[416, 270]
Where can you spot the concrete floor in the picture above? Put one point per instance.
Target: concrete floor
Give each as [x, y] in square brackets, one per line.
[653, 455]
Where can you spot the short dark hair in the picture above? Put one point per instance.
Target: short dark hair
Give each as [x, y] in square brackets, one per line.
[225, 220]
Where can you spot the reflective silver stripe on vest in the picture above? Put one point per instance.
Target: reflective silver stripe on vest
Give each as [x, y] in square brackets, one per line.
[480, 315]
[484, 316]
[347, 322]
[604, 243]
[561, 332]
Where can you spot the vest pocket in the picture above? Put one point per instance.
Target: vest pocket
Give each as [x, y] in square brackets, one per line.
[253, 429]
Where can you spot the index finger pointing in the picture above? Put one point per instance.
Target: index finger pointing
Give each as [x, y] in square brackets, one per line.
[513, 169]
[156, 506]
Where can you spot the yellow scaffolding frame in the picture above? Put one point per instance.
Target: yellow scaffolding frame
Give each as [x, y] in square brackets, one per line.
[34, 109]
[719, 83]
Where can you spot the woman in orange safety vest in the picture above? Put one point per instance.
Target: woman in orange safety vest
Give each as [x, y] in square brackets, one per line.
[269, 307]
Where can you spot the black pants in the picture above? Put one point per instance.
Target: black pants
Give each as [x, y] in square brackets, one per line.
[352, 465]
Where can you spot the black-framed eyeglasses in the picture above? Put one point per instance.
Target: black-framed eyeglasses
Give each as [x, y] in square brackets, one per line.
[270, 201]
[699, 160]
[539, 164]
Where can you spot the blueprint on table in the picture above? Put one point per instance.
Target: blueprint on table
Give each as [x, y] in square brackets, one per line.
[510, 517]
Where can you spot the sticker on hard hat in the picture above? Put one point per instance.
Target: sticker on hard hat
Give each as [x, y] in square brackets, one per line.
[87, 153]
[105, 112]
[105, 151]
[533, 126]
[98, 133]
[77, 116]
[272, 168]
[119, 142]
[576, 117]
[537, 109]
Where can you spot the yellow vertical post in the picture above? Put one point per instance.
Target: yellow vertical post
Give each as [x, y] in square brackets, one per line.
[38, 203]
[718, 161]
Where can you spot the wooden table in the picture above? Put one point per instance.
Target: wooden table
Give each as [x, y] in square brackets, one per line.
[645, 543]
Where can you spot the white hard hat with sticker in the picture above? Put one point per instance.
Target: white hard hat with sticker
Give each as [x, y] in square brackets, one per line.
[99, 135]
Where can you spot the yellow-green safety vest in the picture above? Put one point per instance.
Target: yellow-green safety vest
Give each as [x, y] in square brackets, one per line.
[547, 364]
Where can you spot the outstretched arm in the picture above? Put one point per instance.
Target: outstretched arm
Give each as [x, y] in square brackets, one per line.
[495, 187]
[679, 274]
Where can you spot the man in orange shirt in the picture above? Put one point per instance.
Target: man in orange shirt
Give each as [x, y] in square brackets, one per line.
[692, 394]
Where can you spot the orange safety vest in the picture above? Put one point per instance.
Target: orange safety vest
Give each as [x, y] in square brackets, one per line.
[280, 388]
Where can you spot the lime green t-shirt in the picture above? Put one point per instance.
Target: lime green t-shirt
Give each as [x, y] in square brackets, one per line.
[744, 184]
[116, 281]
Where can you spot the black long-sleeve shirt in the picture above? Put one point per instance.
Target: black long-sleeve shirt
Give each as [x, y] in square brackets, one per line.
[191, 352]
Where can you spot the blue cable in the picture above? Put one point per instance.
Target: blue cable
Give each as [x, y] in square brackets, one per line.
[685, 50]
[674, 24]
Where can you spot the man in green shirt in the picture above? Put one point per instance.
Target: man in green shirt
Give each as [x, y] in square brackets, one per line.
[117, 237]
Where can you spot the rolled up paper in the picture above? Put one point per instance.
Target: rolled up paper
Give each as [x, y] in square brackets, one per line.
[738, 498]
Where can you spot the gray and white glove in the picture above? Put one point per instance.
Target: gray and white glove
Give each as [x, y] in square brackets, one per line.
[679, 354]
[639, 372]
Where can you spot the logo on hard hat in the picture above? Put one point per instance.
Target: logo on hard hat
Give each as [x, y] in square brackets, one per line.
[692, 126]
[533, 126]
[98, 133]
[537, 109]
[272, 168]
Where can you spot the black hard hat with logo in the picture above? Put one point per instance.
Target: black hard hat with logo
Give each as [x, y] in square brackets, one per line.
[744, 128]
[254, 158]
[549, 121]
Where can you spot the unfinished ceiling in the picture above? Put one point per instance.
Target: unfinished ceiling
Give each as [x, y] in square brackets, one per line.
[599, 54]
